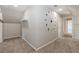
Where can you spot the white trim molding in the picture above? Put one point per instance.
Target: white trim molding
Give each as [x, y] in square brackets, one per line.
[46, 44]
[75, 39]
[36, 49]
[30, 44]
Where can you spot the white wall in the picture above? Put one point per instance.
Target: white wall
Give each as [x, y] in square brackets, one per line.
[29, 32]
[35, 31]
[11, 30]
[75, 19]
[76, 26]
[60, 26]
[1, 32]
[1, 27]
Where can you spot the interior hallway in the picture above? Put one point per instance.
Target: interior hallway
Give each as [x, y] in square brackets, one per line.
[39, 25]
[65, 45]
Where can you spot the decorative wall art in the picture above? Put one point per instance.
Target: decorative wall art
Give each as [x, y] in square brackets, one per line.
[45, 19]
[51, 21]
[46, 14]
[48, 29]
[46, 24]
[48, 11]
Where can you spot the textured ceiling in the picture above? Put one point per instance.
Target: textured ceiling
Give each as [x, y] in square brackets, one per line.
[65, 11]
[13, 14]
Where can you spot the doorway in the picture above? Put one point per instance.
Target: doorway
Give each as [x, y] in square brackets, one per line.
[68, 27]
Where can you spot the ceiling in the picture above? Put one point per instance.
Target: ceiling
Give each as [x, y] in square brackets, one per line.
[14, 14]
[11, 13]
[65, 11]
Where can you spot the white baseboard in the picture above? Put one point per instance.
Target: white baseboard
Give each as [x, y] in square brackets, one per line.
[11, 37]
[36, 49]
[75, 39]
[30, 44]
[46, 44]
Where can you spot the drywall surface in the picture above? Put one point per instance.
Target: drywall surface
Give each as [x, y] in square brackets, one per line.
[1, 27]
[40, 27]
[30, 26]
[76, 26]
[60, 26]
[1, 18]
[1, 39]
[47, 26]
[75, 19]
[11, 30]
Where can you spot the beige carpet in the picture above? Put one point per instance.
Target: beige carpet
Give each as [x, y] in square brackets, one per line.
[20, 46]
